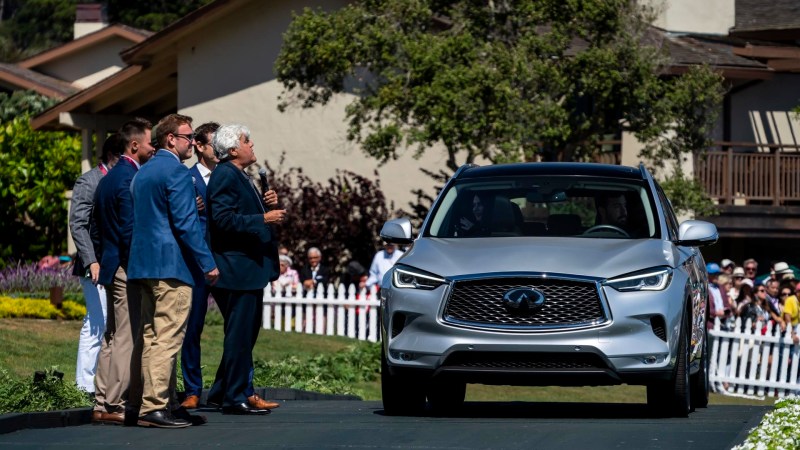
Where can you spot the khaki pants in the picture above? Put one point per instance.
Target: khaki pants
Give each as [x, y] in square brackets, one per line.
[118, 379]
[165, 310]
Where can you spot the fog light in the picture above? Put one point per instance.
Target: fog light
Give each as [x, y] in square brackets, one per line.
[406, 356]
[650, 359]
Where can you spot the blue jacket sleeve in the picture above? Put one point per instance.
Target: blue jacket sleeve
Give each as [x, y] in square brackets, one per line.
[183, 212]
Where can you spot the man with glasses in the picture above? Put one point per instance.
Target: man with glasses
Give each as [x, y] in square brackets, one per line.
[314, 273]
[750, 269]
[167, 243]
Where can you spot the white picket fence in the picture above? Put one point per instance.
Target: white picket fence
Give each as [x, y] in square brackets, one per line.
[750, 362]
[334, 312]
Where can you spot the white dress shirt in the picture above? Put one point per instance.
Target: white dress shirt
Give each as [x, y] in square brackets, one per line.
[381, 264]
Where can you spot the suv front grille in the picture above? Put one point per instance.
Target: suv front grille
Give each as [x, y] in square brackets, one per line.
[568, 304]
[524, 361]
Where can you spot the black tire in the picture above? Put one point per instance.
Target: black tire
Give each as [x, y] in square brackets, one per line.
[402, 396]
[446, 396]
[699, 381]
[672, 398]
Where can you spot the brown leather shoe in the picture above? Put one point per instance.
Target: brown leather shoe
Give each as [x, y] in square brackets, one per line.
[259, 403]
[107, 418]
[191, 402]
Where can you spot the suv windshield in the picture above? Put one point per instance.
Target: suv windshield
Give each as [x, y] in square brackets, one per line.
[587, 207]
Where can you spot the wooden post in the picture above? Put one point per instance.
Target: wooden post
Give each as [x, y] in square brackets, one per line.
[776, 180]
[57, 296]
[729, 177]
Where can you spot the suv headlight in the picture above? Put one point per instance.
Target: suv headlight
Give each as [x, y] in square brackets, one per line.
[656, 279]
[405, 277]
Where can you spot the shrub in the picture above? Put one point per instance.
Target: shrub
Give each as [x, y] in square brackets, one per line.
[328, 374]
[39, 309]
[341, 217]
[48, 394]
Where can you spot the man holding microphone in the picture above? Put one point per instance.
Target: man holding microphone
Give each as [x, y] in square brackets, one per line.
[245, 248]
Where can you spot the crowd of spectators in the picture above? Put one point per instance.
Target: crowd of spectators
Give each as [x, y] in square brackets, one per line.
[739, 292]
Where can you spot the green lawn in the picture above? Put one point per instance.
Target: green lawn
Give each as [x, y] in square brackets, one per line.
[29, 345]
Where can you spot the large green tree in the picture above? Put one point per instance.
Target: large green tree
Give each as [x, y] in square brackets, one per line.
[502, 80]
[36, 169]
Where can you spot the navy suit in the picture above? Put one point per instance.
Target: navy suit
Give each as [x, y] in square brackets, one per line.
[190, 352]
[246, 252]
[113, 214]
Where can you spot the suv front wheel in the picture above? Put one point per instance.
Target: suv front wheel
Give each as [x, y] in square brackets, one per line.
[672, 398]
[402, 395]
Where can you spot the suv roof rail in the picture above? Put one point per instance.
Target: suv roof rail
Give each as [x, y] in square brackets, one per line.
[463, 168]
[643, 170]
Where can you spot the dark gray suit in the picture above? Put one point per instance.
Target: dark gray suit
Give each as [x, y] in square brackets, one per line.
[84, 233]
[87, 240]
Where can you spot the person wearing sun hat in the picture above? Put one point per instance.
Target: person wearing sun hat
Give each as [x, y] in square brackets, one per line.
[727, 266]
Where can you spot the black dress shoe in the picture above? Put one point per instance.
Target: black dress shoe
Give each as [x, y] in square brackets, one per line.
[162, 419]
[214, 403]
[243, 409]
[194, 419]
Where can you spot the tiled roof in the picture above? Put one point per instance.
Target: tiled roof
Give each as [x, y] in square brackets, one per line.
[691, 49]
[759, 15]
[22, 78]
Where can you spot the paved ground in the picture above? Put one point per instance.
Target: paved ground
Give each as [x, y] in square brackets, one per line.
[484, 425]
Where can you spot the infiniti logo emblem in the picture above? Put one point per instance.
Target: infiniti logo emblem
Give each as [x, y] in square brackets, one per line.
[523, 300]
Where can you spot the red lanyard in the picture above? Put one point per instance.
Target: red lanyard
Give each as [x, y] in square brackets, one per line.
[103, 168]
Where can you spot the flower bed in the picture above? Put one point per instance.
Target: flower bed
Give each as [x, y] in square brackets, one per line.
[39, 309]
[778, 428]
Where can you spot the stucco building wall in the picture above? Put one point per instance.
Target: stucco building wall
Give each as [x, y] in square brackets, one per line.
[314, 139]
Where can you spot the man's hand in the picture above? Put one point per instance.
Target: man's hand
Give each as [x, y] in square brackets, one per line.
[94, 271]
[275, 216]
[211, 277]
[308, 285]
[200, 205]
[271, 198]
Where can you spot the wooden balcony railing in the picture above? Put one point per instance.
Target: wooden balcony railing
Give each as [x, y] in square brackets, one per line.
[736, 178]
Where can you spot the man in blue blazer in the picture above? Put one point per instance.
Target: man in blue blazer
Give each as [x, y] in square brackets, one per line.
[190, 352]
[245, 248]
[167, 240]
[117, 382]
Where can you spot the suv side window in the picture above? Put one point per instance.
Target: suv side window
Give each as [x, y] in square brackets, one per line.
[672, 221]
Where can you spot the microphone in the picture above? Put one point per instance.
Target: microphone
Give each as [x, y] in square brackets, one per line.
[262, 173]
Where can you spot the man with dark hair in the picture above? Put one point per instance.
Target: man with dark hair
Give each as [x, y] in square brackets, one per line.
[118, 380]
[167, 239]
[612, 209]
[190, 352]
[87, 263]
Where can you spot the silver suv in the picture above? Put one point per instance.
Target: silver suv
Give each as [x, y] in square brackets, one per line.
[542, 274]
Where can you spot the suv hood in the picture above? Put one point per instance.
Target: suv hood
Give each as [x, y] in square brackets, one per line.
[599, 258]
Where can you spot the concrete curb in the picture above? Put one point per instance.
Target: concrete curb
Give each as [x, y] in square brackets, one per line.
[12, 422]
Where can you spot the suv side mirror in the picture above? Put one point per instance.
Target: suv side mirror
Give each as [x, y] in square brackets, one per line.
[397, 231]
[697, 233]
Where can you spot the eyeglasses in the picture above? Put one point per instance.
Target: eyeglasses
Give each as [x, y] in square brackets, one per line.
[761, 290]
[785, 294]
[188, 136]
[752, 269]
